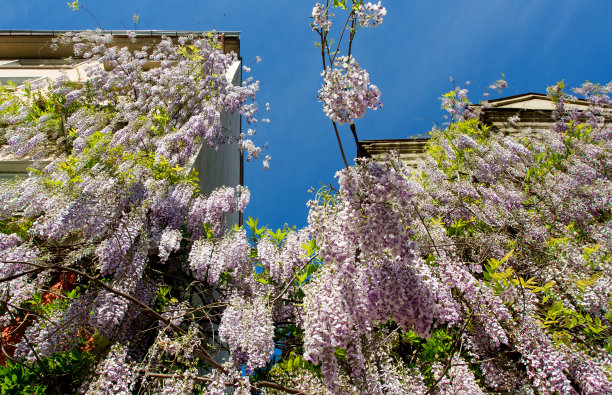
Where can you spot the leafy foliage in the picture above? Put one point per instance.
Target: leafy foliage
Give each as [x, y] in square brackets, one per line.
[64, 371]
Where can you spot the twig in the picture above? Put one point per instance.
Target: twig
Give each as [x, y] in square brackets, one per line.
[416, 209]
[342, 35]
[16, 276]
[340, 145]
[323, 43]
[293, 279]
[91, 15]
[358, 149]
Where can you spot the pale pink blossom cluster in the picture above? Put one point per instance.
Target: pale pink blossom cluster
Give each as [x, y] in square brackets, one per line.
[209, 259]
[347, 92]
[322, 18]
[370, 14]
[213, 209]
[280, 262]
[170, 241]
[248, 329]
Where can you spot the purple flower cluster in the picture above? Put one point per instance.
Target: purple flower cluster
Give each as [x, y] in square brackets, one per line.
[370, 15]
[371, 273]
[114, 249]
[170, 241]
[208, 258]
[498, 85]
[488, 308]
[60, 332]
[545, 366]
[212, 209]
[14, 255]
[114, 374]
[592, 375]
[347, 93]
[459, 379]
[457, 105]
[248, 329]
[280, 263]
[180, 385]
[322, 18]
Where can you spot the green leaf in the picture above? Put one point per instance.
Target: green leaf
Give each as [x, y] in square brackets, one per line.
[493, 264]
[311, 247]
[508, 255]
[340, 353]
[340, 4]
[252, 223]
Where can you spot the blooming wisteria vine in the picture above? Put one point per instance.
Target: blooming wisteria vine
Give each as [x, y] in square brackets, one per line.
[485, 270]
[346, 92]
[118, 209]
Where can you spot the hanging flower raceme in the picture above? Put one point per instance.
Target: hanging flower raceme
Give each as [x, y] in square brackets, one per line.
[119, 209]
[248, 329]
[347, 92]
[370, 15]
[371, 273]
[322, 18]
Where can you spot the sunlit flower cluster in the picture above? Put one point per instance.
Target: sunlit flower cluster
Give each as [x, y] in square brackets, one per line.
[347, 93]
[370, 14]
[248, 329]
[322, 18]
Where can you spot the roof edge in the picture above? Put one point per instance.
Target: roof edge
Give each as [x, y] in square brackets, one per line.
[530, 95]
[139, 33]
[520, 95]
[415, 139]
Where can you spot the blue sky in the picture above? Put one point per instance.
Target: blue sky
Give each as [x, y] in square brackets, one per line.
[410, 57]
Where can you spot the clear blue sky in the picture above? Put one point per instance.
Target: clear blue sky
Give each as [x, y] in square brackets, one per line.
[535, 43]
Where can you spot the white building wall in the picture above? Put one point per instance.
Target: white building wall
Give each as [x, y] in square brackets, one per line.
[224, 166]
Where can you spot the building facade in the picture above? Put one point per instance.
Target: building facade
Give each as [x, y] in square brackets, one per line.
[506, 115]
